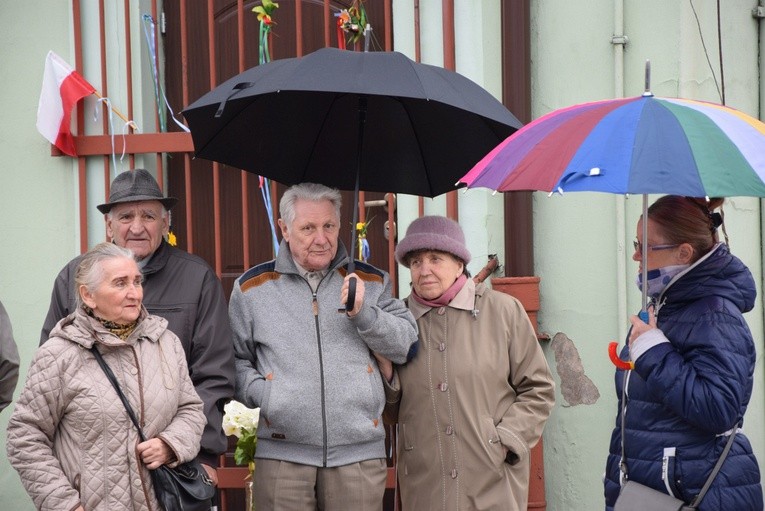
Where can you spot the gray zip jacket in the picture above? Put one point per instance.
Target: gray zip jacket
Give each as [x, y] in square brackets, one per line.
[309, 368]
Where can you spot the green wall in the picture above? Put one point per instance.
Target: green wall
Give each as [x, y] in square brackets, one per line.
[582, 241]
[38, 221]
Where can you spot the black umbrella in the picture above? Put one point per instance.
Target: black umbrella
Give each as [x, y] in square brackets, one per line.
[373, 121]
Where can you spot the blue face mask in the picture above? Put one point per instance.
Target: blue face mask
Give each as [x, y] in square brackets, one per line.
[659, 278]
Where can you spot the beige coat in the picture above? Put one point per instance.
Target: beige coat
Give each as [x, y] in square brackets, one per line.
[70, 437]
[478, 387]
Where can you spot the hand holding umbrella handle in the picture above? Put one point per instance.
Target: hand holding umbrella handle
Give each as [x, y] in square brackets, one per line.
[351, 297]
[646, 317]
[613, 354]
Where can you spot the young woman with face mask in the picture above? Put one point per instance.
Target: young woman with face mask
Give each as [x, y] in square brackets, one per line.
[693, 364]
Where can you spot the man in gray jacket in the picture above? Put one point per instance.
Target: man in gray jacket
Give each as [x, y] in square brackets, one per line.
[9, 360]
[311, 369]
[180, 287]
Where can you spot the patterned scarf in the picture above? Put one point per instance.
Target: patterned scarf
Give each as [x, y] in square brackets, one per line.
[446, 297]
[659, 278]
[121, 331]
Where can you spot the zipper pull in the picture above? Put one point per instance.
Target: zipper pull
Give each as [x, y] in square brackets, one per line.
[315, 305]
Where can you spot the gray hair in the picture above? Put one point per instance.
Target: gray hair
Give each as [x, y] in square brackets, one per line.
[309, 192]
[89, 272]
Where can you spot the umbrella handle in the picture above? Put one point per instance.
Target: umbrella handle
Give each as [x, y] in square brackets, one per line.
[624, 365]
[351, 295]
[348, 307]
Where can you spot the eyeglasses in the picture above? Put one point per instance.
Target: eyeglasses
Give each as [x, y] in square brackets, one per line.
[639, 246]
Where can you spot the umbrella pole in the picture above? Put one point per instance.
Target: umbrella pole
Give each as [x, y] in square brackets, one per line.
[351, 260]
[644, 257]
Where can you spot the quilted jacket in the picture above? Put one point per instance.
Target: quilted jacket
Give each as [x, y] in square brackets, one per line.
[70, 438]
[183, 289]
[684, 395]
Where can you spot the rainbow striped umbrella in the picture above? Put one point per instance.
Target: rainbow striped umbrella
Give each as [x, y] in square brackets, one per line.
[636, 145]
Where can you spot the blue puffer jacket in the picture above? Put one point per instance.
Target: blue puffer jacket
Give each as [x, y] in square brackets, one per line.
[683, 395]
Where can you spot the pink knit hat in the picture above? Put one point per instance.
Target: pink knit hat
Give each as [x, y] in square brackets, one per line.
[433, 233]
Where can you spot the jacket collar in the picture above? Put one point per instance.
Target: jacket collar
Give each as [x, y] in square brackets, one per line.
[85, 330]
[464, 300]
[158, 259]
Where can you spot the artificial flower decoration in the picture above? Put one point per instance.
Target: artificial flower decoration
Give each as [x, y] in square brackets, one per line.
[361, 228]
[361, 232]
[264, 11]
[352, 21]
[242, 422]
[171, 239]
[343, 18]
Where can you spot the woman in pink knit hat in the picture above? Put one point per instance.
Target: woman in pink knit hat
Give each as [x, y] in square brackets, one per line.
[473, 400]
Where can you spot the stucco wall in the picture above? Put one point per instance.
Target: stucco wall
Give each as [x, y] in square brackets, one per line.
[37, 192]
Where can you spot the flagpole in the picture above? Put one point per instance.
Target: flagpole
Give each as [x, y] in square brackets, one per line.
[119, 114]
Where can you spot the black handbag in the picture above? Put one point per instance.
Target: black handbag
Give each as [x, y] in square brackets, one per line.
[638, 497]
[183, 488]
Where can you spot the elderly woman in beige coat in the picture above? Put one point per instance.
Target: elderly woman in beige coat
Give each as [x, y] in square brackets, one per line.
[474, 399]
[69, 437]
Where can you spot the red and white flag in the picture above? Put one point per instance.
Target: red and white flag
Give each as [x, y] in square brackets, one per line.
[62, 88]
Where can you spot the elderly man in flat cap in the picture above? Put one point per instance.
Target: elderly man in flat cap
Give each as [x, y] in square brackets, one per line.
[178, 286]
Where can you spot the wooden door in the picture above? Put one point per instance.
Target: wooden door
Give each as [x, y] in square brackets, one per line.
[283, 45]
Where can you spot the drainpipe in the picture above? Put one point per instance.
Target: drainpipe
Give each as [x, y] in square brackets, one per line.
[619, 40]
[759, 13]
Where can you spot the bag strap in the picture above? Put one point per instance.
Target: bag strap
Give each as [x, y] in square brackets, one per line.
[623, 462]
[715, 470]
[116, 385]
